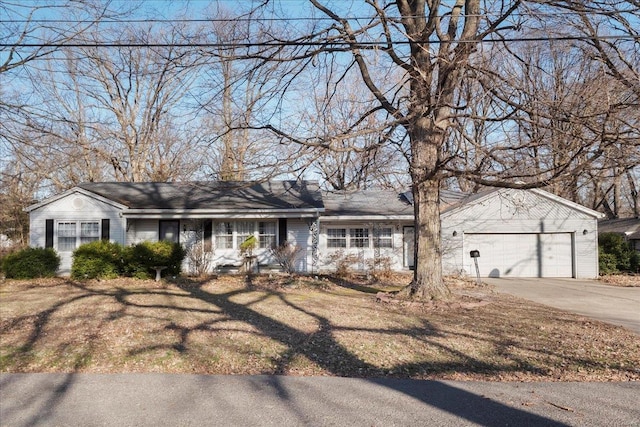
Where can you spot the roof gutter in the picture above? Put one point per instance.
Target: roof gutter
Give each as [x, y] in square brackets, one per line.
[221, 213]
[327, 218]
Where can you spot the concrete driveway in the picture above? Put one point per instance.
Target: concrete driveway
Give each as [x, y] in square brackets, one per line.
[611, 304]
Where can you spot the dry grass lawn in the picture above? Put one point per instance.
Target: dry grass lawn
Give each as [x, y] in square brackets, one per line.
[300, 326]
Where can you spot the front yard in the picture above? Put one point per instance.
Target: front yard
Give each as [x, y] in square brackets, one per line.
[301, 326]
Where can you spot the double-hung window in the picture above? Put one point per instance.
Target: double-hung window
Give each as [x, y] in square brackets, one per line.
[383, 238]
[66, 236]
[224, 235]
[337, 238]
[244, 229]
[89, 232]
[72, 234]
[267, 234]
[358, 237]
[231, 234]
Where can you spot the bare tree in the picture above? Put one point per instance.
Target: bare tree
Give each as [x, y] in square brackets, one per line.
[430, 46]
[233, 95]
[17, 189]
[571, 115]
[368, 156]
[446, 87]
[597, 78]
[33, 32]
[119, 109]
[610, 38]
[29, 32]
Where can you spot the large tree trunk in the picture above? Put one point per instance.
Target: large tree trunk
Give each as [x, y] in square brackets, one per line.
[426, 140]
[427, 276]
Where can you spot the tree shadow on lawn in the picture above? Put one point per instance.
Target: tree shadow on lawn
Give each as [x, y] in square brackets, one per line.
[370, 286]
[319, 346]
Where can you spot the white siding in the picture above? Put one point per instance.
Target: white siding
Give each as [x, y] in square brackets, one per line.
[74, 207]
[519, 212]
[363, 255]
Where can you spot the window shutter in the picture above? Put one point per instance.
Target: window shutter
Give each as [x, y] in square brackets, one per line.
[282, 231]
[208, 231]
[48, 233]
[106, 233]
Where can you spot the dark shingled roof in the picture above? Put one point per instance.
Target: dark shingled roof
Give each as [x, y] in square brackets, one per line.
[211, 194]
[627, 226]
[367, 202]
[380, 202]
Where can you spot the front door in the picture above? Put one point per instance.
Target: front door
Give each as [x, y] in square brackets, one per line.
[408, 246]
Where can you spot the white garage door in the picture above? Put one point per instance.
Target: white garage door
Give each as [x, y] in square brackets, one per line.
[520, 255]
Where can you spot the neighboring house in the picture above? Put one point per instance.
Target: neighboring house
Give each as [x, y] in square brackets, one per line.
[5, 241]
[526, 233]
[628, 227]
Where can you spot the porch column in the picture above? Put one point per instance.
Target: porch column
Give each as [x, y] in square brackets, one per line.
[314, 230]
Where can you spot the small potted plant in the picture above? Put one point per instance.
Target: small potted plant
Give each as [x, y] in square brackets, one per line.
[246, 251]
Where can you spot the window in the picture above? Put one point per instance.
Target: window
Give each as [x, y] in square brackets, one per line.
[224, 235]
[66, 236]
[244, 229]
[267, 234]
[359, 238]
[230, 235]
[336, 238]
[89, 232]
[72, 234]
[170, 231]
[384, 238]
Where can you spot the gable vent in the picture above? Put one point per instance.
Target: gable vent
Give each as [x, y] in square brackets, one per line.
[78, 203]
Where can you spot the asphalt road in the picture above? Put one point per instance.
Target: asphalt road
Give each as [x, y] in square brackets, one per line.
[190, 400]
[616, 305]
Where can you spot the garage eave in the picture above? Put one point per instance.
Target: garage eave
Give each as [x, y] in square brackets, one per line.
[568, 203]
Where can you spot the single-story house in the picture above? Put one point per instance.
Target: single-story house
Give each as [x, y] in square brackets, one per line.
[526, 233]
[627, 227]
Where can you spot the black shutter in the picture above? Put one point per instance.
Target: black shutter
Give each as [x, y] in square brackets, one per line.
[282, 231]
[48, 233]
[105, 229]
[208, 232]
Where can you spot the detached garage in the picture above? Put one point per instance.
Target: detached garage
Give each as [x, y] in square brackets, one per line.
[520, 233]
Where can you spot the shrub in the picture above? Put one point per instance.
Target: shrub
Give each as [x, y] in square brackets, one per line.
[141, 259]
[200, 261]
[634, 262]
[286, 255]
[616, 255]
[31, 263]
[607, 263]
[97, 260]
[379, 267]
[343, 263]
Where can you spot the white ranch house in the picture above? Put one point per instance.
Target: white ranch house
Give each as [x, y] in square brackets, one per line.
[522, 233]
